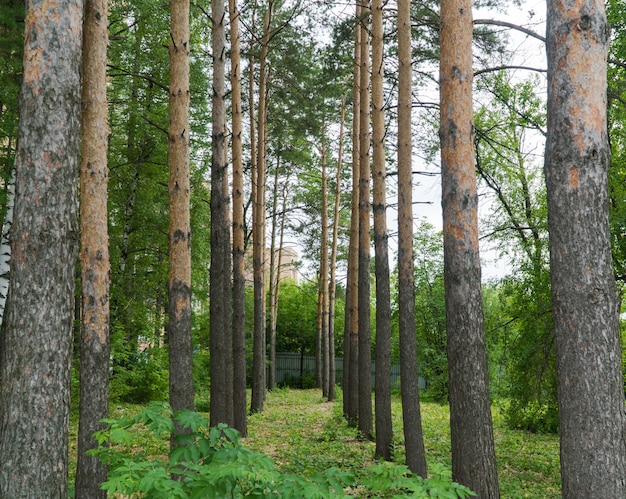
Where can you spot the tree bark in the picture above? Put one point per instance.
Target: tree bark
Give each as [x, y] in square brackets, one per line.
[365, 355]
[409, 375]
[324, 273]
[258, 244]
[473, 455]
[179, 284]
[239, 281]
[274, 277]
[95, 348]
[221, 344]
[351, 325]
[585, 301]
[384, 428]
[332, 286]
[36, 364]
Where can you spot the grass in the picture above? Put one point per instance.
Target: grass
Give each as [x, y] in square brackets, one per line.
[304, 434]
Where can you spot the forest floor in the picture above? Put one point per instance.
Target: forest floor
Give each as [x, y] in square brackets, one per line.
[305, 434]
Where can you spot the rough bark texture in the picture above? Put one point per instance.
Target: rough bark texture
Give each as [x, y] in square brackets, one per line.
[384, 428]
[409, 377]
[585, 301]
[221, 343]
[95, 263]
[351, 325]
[473, 456]
[179, 284]
[258, 237]
[274, 278]
[239, 280]
[365, 356]
[332, 286]
[35, 394]
[324, 275]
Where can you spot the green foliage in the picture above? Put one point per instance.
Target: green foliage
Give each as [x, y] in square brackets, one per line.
[211, 462]
[138, 376]
[297, 318]
[518, 318]
[430, 311]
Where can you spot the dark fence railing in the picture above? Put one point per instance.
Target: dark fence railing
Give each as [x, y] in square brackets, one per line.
[295, 369]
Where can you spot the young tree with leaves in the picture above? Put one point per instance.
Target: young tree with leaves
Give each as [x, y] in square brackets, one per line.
[584, 298]
[473, 454]
[36, 359]
[95, 264]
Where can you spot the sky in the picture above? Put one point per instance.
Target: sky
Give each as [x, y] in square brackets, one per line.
[527, 52]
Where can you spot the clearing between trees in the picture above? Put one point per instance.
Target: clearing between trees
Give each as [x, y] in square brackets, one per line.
[304, 434]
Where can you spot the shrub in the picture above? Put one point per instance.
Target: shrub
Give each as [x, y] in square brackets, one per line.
[211, 462]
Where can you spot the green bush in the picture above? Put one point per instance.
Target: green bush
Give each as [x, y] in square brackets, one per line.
[211, 462]
[141, 379]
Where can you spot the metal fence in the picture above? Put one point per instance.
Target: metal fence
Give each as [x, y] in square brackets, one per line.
[296, 369]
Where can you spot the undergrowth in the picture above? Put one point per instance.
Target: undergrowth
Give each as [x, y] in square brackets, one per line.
[212, 463]
[303, 435]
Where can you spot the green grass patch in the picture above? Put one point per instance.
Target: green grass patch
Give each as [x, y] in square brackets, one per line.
[305, 436]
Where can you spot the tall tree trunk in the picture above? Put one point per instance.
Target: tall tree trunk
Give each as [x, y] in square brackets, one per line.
[221, 343]
[179, 284]
[239, 306]
[409, 376]
[324, 273]
[365, 355]
[351, 334]
[384, 428]
[239, 280]
[36, 364]
[258, 244]
[585, 301]
[91, 472]
[274, 278]
[275, 292]
[318, 337]
[332, 286]
[473, 456]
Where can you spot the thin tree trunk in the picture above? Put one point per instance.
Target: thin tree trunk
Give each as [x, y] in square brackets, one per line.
[274, 277]
[221, 343]
[324, 272]
[351, 334]
[5, 248]
[91, 472]
[36, 364]
[473, 456]
[332, 287]
[409, 376]
[585, 302]
[179, 285]
[384, 428]
[239, 280]
[365, 355]
[258, 257]
[318, 336]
